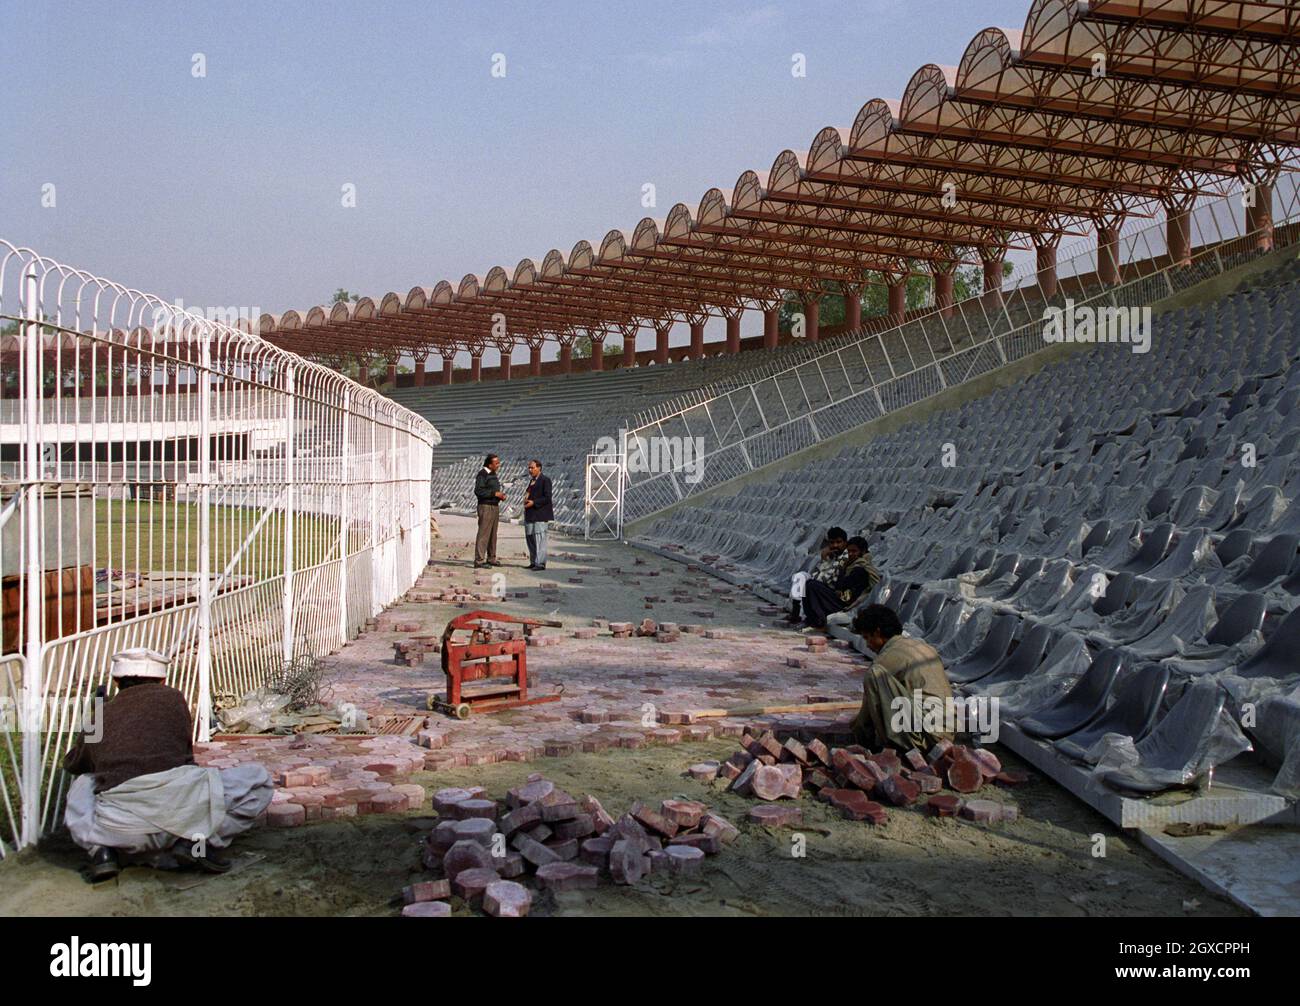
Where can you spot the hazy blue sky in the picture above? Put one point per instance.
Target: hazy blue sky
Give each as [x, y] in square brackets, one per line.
[226, 189]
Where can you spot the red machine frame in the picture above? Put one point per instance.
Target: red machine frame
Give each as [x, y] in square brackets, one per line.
[477, 659]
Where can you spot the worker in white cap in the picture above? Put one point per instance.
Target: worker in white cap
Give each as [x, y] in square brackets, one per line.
[138, 794]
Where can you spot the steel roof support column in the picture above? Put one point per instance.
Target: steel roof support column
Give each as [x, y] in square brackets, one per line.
[1108, 249]
[534, 357]
[697, 337]
[420, 362]
[597, 337]
[566, 352]
[662, 328]
[993, 257]
[1045, 246]
[771, 327]
[1257, 197]
[812, 309]
[942, 272]
[628, 331]
[852, 306]
[446, 366]
[733, 331]
[476, 366]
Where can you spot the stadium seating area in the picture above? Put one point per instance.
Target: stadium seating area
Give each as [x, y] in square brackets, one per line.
[557, 419]
[1110, 547]
[560, 419]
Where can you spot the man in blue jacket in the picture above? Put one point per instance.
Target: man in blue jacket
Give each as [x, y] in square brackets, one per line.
[538, 512]
[487, 490]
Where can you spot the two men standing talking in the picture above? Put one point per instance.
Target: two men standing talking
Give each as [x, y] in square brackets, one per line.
[538, 513]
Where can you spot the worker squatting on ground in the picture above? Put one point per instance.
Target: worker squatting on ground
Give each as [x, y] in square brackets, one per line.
[858, 576]
[138, 793]
[906, 674]
[829, 565]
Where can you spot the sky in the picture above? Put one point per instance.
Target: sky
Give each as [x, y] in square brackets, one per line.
[226, 186]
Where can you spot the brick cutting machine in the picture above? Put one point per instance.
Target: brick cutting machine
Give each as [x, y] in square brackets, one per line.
[478, 657]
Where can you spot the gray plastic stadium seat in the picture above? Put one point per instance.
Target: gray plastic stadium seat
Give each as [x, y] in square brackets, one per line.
[1154, 544]
[1119, 591]
[1020, 662]
[1080, 705]
[1005, 566]
[1097, 537]
[1234, 545]
[928, 614]
[1242, 617]
[1279, 657]
[907, 608]
[1186, 623]
[984, 657]
[1133, 713]
[1177, 745]
[1273, 562]
[1025, 572]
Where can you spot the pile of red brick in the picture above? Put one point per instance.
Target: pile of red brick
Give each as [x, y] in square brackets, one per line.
[411, 652]
[558, 841]
[858, 782]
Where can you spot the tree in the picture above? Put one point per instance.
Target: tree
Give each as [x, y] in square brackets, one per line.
[342, 296]
[582, 348]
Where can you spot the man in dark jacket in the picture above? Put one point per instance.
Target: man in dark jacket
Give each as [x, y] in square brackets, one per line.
[487, 490]
[859, 576]
[538, 512]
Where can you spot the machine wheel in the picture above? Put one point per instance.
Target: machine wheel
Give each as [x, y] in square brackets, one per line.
[462, 711]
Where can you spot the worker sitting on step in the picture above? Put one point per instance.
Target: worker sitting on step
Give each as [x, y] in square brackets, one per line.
[831, 560]
[858, 576]
[905, 695]
[138, 793]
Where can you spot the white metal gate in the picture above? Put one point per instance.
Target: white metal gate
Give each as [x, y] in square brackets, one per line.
[603, 509]
[175, 482]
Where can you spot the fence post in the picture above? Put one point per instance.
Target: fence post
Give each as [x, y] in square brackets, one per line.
[33, 669]
[345, 504]
[374, 512]
[205, 534]
[289, 438]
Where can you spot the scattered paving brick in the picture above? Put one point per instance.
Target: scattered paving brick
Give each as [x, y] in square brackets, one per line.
[685, 814]
[427, 910]
[776, 816]
[470, 885]
[944, 805]
[466, 855]
[965, 776]
[427, 890]
[505, 899]
[684, 859]
[567, 876]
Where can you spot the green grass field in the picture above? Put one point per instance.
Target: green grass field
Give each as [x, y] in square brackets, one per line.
[150, 536]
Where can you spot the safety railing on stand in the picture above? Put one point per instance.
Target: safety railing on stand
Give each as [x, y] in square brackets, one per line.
[861, 379]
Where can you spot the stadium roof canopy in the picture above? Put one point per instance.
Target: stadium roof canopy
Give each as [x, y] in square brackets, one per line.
[1093, 111]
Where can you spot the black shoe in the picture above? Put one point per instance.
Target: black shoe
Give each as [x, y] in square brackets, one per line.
[531, 566]
[480, 565]
[104, 865]
[539, 567]
[495, 563]
[211, 862]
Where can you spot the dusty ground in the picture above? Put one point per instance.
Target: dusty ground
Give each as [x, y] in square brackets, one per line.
[1041, 864]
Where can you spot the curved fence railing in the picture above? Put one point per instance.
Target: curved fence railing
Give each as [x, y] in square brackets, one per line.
[175, 482]
[677, 454]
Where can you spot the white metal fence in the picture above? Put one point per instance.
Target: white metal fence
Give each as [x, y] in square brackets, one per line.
[173, 482]
[859, 378]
